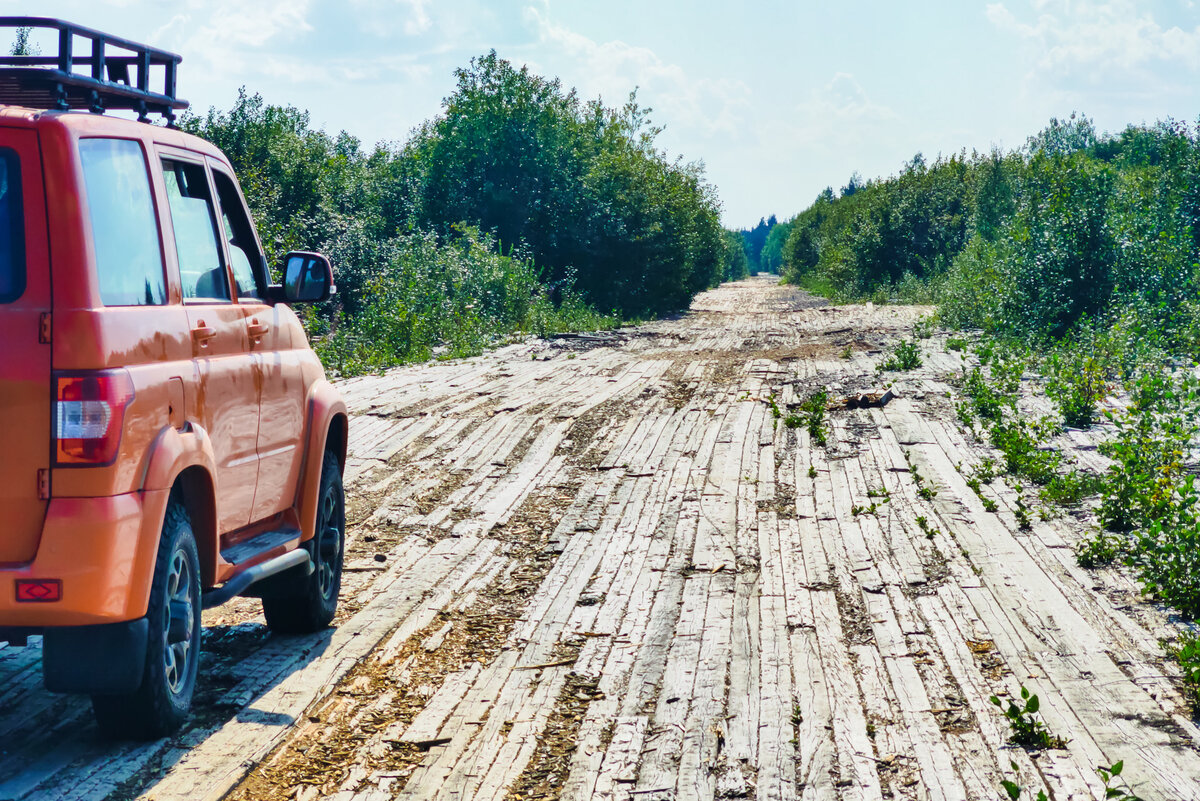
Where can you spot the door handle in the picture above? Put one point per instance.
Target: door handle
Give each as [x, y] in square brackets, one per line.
[202, 333]
[257, 329]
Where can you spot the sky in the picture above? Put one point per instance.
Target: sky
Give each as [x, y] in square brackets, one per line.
[778, 99]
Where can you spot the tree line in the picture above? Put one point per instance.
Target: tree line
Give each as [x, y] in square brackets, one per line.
[1076, 229]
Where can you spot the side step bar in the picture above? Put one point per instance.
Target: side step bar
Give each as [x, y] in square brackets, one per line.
[238, 584]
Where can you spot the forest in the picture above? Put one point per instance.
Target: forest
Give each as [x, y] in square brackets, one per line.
[518, 209]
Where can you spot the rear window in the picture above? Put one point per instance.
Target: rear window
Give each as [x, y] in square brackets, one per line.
[129, 262]
[12, 228]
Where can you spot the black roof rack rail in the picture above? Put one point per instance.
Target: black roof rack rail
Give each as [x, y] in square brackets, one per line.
[116, 73]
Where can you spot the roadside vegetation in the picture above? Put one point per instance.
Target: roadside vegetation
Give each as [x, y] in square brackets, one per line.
[519, 209]
[1072, 267]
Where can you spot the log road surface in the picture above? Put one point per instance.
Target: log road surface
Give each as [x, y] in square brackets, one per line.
[600, 569]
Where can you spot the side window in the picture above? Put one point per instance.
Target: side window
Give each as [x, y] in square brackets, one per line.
[244, 256]
[201, 271]
[129, 263]
[12, 228]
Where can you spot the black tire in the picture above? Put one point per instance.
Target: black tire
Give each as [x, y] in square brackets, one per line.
[306, 603]
[162, 703]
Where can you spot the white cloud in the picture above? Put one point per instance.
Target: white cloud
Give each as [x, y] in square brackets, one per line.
[381, 17]
[419, 22]
[839, 111]
[612, 69]
[231, 34]
[1104, 37]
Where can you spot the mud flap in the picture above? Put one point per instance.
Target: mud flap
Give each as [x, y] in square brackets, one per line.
[97, 660]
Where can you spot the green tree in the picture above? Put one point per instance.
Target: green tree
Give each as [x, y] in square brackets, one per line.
[21, 45]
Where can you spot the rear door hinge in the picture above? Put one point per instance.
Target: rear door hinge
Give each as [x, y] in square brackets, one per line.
[44, 328]
[43, 484]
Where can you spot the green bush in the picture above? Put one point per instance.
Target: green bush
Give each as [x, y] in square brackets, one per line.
[1020, 441]
[581, 187]
[1077, 381]
[462, 297]
[905, 356]
[1188, 656]
[1147, 479]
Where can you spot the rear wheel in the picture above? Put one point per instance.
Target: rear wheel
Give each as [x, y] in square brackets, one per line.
[307, 602]
[162, 702]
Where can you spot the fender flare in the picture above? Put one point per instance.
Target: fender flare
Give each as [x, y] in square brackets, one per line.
[188, 452]
[327, 423]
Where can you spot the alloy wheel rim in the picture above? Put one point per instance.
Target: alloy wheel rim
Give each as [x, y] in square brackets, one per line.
[179, 622]
[329, 545]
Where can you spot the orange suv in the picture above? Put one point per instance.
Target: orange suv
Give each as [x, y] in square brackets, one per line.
[170, 440]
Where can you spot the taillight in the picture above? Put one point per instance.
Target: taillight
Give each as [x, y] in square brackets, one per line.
[89, 413]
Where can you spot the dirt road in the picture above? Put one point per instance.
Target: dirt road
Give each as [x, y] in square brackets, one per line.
[601, 569]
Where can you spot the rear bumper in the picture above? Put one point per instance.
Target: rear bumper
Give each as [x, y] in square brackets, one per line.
[103, 551]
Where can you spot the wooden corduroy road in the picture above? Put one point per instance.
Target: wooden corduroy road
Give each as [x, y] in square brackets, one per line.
[601, 568]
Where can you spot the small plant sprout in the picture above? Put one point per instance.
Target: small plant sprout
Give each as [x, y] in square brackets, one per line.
[905, 356]
[1114, 786]
[923, 328]
[1028, 730]
[1021, 513]
[1013, 789]
[924, 492]
[811, 415]
[929, 531]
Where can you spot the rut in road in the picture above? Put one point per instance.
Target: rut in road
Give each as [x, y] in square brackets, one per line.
[610, 573]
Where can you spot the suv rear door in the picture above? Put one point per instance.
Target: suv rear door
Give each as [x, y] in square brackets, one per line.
[25, 363]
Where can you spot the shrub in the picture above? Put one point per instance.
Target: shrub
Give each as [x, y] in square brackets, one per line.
[1188, 656]
[905, 356]
[1146, 480]
[1078, 381]
[461, 297]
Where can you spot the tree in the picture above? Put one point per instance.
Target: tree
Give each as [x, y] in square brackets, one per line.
[1062, 137]
[771, 258]
[21, 45]
[853, 185]
[580, 187]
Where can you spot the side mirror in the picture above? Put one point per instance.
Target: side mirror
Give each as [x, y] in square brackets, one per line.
[307, 278]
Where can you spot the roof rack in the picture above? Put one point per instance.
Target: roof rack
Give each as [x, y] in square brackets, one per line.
[116, 73]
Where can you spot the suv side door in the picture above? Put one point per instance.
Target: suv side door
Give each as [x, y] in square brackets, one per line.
[272, 330]
[225, 394]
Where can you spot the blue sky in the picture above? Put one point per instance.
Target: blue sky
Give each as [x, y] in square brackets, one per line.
[778, 99]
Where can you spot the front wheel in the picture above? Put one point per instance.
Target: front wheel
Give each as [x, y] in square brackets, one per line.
[161, 704]
[307, 602]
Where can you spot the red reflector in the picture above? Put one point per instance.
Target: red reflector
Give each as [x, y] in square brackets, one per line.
[39, 590]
